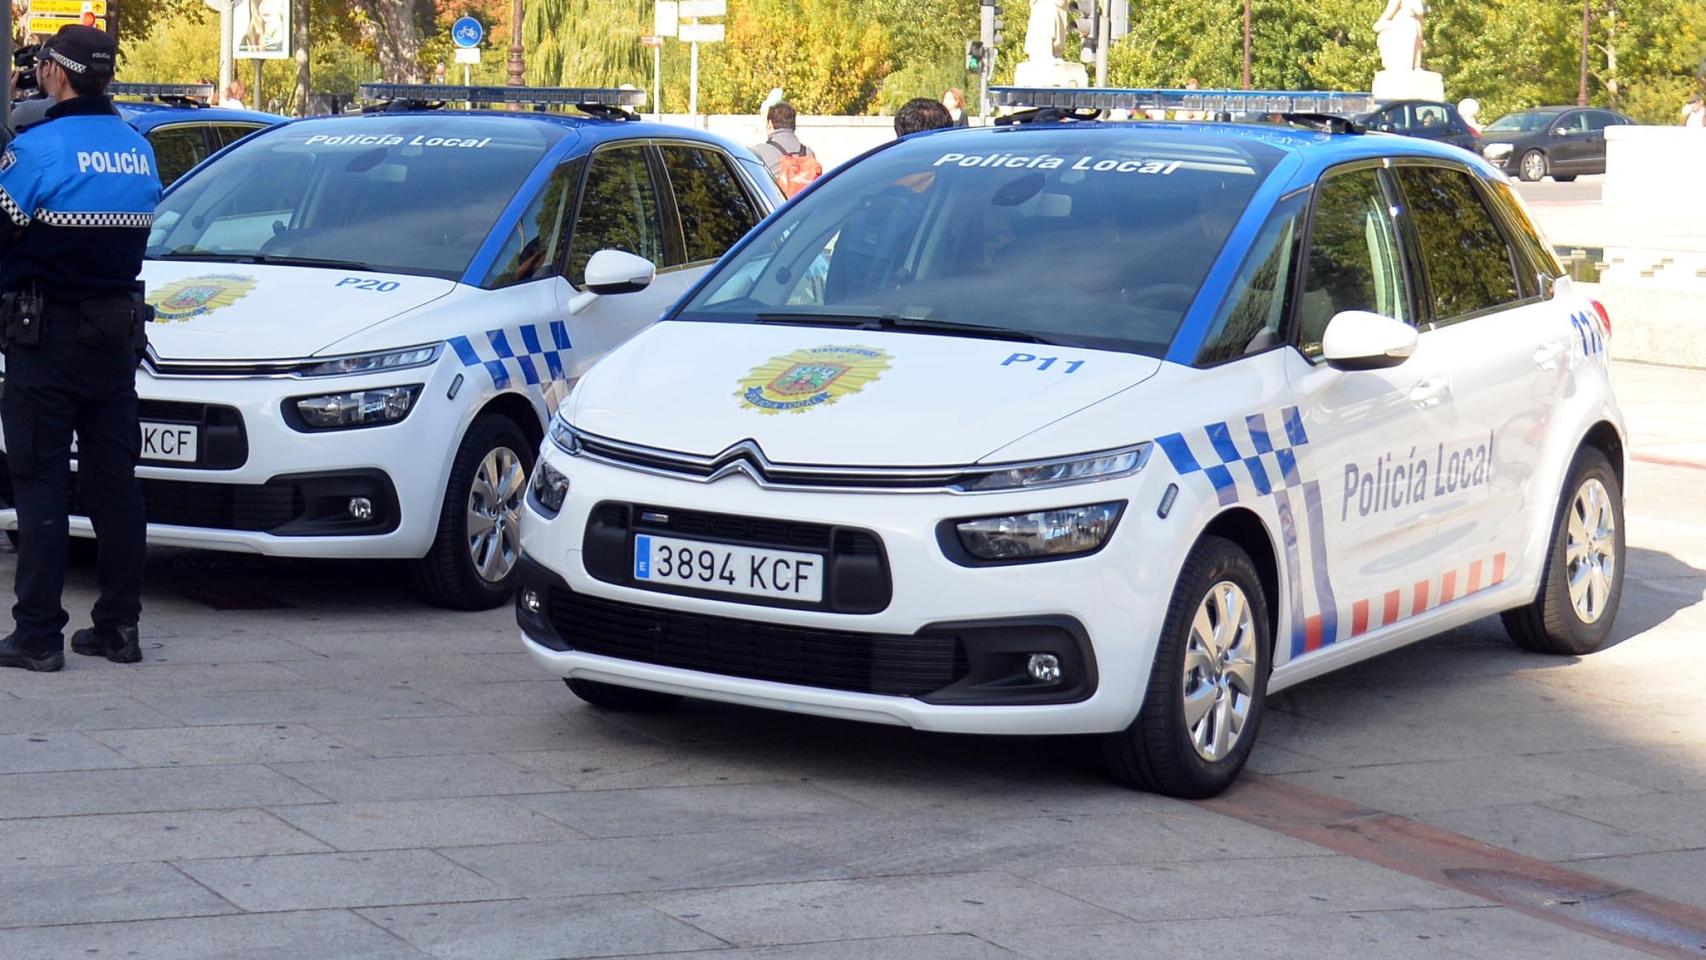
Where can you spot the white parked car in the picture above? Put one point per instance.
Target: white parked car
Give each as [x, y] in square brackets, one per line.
[1083, 428]
[364, 322]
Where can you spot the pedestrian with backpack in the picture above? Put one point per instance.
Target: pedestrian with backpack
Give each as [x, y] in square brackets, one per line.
[791, 163]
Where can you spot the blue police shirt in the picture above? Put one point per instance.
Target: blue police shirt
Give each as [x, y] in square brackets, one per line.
[79, 191]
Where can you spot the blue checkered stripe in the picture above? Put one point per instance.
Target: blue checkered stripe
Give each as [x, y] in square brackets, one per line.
[539, 362]
[1239, 458]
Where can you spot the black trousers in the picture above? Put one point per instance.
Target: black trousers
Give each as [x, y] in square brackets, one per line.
[52, 390]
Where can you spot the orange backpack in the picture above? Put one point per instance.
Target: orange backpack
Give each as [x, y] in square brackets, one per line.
[795, 170]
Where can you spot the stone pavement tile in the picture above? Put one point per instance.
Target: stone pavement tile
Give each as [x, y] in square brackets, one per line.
[1278, 885]
[96, 677]
[1498, 933]
[269, 936]
[1670, 771]
[1266, 758]
[706, 809]
[706, 721]
[367, 673]
[216, 646]
[40, 896]
[578, 867]
[945, 946]
[545, 695]
[1676, 820]
[776, 913]
[140, 790]
[1540, 831]
[920, 844]
[311, 881]
[387, 639]
[540, 929]
[976, 794]
[1369, 739]
[239, 743]
[108, 712]
[37, 752]
[624, 760]
[400, 824]
[417, 778]
[129, 837]
[1509, 695]
[426, 736]
[302, 705]
[1411, 788]
[1676, 874]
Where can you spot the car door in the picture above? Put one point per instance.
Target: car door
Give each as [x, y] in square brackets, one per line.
[711, 204]
[1363, 523]
[1568, 143]
[1509, 354]
[1593, 159]
[621, 207]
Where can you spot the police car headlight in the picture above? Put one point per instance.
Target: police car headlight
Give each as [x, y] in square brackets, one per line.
[550, 488]
[564, 436]
[1496, 151]
[1104, 465]
[373, 362]
[357, 408]
[1044, 534]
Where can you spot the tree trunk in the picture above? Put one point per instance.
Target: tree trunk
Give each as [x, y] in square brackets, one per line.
[304, 84]
[397, 40]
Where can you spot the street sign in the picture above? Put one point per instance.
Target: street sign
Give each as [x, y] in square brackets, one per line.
[469, 55]
[664, 18]
[49, 25]
[647, 40]
[467, 32]
[68, 8]
[700, 32]
[701, 9]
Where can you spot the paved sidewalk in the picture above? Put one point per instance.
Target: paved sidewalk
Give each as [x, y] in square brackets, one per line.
[310, 765]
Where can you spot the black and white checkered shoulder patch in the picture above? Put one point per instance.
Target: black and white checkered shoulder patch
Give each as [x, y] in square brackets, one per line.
[7, 159]
[12, 210]
[135, 220]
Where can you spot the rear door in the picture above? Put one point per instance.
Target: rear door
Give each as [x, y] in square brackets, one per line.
[177, 148]
[1594, 158]
[711, 206]
[1570, 148]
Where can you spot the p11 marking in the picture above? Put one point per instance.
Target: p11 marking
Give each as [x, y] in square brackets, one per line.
[1042, 363]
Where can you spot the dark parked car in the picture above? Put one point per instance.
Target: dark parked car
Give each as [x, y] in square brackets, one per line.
[1560, 142]
[1428, 119]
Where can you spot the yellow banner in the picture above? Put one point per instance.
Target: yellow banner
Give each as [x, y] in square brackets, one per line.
[70, 9]
[48, 26]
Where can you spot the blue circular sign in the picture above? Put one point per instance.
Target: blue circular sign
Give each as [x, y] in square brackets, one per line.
[467, 32]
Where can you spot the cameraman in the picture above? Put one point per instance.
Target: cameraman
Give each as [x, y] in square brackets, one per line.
[79, 189]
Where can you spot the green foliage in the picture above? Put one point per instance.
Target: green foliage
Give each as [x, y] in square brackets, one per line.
[586, 42]
[826, 55]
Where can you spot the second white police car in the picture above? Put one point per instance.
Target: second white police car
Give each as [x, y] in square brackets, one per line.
[364, 322]
[1069, 428]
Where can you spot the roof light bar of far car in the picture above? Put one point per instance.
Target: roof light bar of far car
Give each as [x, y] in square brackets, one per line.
[160, 91]
[1210, 102]
[531, 96]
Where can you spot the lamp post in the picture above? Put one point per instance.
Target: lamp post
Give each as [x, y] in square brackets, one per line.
[1582, 89]
[1246, 44]
[517, 60]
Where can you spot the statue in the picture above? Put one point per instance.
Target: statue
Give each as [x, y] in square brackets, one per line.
[1398, 34]
[1045, 48]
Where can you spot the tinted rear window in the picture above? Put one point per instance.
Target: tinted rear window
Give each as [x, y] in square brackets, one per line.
[1524, 122]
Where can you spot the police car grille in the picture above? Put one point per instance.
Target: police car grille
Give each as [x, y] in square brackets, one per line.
[894, 665]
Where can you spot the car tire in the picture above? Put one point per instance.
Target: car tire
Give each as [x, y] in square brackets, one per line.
[1533, 166]
[1203, 653]
[609, 696]
[1564, 178]
[1587, 535]
[470, 569]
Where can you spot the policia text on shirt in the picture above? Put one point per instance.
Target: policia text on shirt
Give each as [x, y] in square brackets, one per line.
[72, 323]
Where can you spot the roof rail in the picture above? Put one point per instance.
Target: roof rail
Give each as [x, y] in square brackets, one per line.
[177, 94]
[1056, 103]
[606, 102]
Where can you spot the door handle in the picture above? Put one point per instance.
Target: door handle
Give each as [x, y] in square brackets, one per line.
[1430, 392]
[1547, 355]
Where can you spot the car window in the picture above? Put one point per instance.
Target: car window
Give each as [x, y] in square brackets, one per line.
[1599, 120]
[1576, 122]
[1430, 116]
[715, 211]
[532, 249]
[1523, 122]
[1540, 256]
[1466, 260]
[1353, 261]
[1395, 118]
[1253, 316]
[225, 134]
[618, 210]
[176, 150]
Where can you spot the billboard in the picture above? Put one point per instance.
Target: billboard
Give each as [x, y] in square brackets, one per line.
[261, 29]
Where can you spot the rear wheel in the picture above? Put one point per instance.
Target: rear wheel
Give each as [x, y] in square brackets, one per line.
[471, 565]
[1534, 166]
[1583, 583]
[626, 699]
[1209, 682]
[1564, 178]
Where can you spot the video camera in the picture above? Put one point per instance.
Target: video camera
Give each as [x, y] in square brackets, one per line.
[24, 83]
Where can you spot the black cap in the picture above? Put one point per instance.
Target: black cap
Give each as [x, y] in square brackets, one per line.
[82, 50]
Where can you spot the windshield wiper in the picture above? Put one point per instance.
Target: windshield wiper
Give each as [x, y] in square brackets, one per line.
[891, 322]
[264, 258]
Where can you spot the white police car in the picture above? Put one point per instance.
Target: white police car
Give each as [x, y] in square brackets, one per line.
[364, 322]
[1067, 428]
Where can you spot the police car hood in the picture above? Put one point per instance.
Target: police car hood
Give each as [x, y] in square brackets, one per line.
[244, 311]
[821, 396]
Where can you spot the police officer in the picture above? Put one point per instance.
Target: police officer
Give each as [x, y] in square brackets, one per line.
[79, 191]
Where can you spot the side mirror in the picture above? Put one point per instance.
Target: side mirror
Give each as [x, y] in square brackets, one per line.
[1360, 340]
[618, 271]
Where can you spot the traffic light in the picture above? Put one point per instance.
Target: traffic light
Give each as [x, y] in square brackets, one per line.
[989, 19]
[1085, 22]
[974, 56]
[1119, 19]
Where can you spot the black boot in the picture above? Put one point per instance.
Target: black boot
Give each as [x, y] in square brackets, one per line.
[13, 655]
[118, 644]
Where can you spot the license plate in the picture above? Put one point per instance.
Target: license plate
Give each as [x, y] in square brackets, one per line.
[666, 561]
[175, 442]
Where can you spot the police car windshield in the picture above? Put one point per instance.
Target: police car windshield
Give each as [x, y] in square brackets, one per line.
[414, 194]
[1096, 236]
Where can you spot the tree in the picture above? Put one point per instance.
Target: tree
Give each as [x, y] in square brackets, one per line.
[826, 55]
[586, 43]
[396, 27]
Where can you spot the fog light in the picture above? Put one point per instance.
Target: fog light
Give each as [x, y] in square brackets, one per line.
[1043, 667]
[360, 508]
[530, 601]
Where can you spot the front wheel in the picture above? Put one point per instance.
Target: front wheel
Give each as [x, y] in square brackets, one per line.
[471, 565]
[1534, 166]
[1564, 178]
[1583, 582]
[1209, 682]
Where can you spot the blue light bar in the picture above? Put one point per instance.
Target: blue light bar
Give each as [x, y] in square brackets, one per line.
[1206, 102]
[158, 91]
[530, 96]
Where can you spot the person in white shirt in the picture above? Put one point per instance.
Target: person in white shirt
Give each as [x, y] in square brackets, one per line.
[1694, 114]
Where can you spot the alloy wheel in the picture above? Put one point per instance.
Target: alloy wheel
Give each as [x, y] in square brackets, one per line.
[1533, 166]
[1220, 671]
[1590, 550]
[494, 514]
